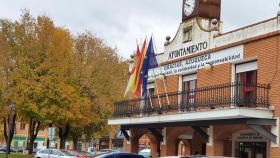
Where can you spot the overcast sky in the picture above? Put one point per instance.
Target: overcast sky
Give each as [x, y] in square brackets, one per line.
[121, 22]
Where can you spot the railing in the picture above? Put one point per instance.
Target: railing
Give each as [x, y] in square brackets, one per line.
[228, 95]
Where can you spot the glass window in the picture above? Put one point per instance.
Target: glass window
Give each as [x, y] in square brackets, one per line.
[55, 152]
[188, 94]
[151, 100]
[187, 34]
[44, 151]
[22, 126]
[246, 88]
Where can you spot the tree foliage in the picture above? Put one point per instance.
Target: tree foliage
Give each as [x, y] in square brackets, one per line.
[54, 77]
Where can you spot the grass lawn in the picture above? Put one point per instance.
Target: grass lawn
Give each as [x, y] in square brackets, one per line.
[16, 156]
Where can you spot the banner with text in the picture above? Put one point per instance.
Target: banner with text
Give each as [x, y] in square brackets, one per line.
[196, 63]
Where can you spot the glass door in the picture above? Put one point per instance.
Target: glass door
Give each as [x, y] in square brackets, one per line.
[252, 150]
[188, 95]
[246, 89]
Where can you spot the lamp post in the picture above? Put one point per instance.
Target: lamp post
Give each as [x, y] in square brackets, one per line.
[11, 108]
[208, 66]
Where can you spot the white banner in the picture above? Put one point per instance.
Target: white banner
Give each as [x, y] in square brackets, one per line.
[196, 63]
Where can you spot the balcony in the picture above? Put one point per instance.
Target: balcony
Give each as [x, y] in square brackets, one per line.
[205, 99]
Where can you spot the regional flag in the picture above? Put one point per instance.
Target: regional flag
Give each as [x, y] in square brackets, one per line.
[132, 68]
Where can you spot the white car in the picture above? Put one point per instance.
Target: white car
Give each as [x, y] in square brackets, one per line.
[53, 153]
[145, 152]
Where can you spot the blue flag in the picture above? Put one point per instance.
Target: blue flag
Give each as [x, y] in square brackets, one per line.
[149, 62]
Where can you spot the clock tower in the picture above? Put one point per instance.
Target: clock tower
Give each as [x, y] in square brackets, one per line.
[201, 8]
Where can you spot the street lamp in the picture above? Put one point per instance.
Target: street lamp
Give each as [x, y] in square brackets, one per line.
[11, 108]
[208, 66]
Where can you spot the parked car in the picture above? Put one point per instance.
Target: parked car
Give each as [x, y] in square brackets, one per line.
[3, 149]
[145, 152]
[91, 149]
[201, 156]
[54, 153]
[79, 154]
[103, 151]
[120, 155]
[18, 149]
[35, 150]
[195, 156]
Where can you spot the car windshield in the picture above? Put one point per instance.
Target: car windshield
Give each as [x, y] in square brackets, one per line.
[65, 153]
[76, 153]
[83, 153]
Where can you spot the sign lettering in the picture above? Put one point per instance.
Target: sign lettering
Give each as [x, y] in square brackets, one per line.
[196, 63]
[187, 50]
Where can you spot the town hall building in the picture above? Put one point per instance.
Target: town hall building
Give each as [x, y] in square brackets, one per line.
[213, 93]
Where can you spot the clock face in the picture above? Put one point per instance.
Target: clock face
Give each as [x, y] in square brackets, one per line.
[189, 6]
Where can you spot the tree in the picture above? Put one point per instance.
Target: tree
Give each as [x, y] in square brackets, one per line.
[100, 75]
[7, 118]
[41, 56]
[53, 77]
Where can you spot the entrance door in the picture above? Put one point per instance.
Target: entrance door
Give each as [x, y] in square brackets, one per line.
[252, 150]
[247, 83]
[188, 97]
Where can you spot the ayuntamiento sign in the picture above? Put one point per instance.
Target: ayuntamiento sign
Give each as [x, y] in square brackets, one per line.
[192, 64]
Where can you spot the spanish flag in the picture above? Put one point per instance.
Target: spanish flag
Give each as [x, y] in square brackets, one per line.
[134, 83]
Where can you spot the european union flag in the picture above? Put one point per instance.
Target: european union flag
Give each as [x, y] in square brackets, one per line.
[149, 62]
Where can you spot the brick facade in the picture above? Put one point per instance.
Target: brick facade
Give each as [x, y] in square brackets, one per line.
[265, 52]
[260, 44]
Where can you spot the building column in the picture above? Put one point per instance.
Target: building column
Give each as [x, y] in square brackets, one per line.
[210, 144]
[274, 148]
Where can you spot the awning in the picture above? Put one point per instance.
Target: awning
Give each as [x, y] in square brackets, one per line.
[19, 138]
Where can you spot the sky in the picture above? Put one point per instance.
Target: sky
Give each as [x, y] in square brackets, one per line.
[123, 23]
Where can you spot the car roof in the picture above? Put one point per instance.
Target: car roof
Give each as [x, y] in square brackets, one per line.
[145, 150]
[119, 154]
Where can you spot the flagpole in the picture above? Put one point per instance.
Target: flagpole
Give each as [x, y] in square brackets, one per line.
[160, 106]
[163, 78]
[155, 49]
[149, 95]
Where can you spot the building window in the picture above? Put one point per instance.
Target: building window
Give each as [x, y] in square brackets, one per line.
[22, 126]
[246, 86]
[150, 89]
[150, 101]
[188, 93]
[247, 91]
[187, 34]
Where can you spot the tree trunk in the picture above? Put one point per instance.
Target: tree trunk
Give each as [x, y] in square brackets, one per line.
[9, 130]
[63, 134]
[34, 127]
[75, 143]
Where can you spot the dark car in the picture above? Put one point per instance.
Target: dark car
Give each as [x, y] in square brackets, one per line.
[120, 155]
[4, 149]
[18, 149]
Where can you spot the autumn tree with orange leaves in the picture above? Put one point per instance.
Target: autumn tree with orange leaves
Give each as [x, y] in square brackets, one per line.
[56, 78]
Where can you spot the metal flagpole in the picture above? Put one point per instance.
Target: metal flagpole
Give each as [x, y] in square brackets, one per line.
[160, 105]
[157, 91]
[165, 89]
[162, 78]
[149, 95]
